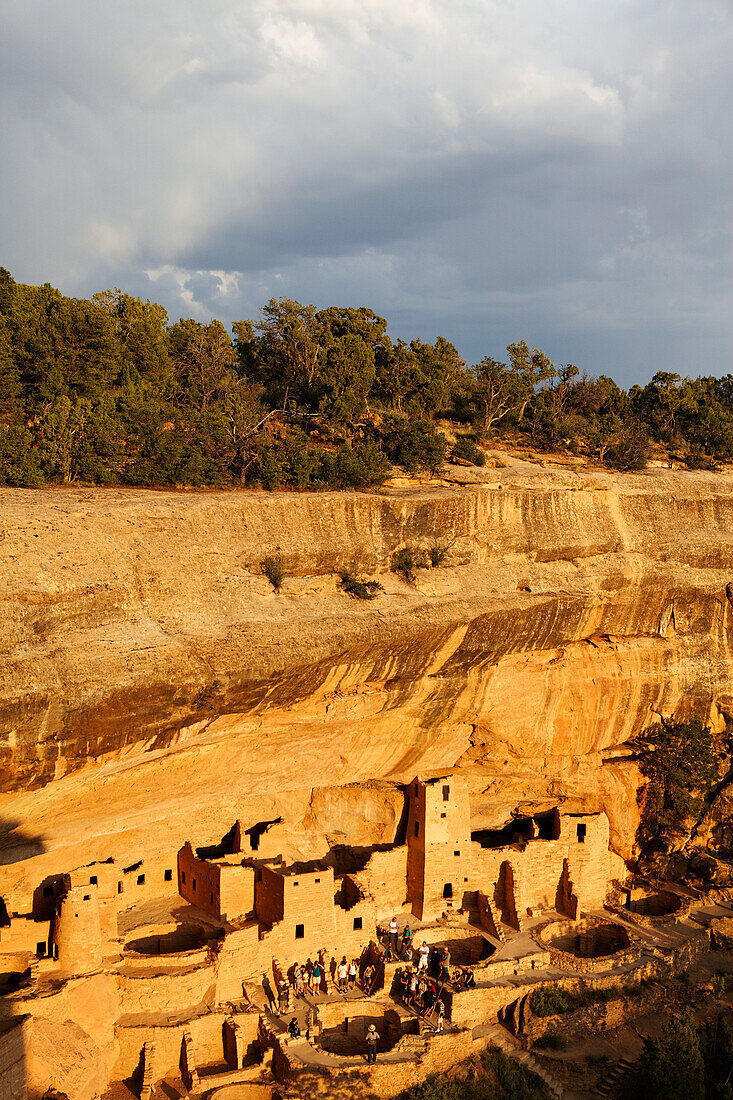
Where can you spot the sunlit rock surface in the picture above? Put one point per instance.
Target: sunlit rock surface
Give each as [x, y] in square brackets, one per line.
[151, 676]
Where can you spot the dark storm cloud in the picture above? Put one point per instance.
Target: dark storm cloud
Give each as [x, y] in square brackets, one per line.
[485, 169]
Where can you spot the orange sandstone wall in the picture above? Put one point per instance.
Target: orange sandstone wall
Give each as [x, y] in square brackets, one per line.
[152, 679]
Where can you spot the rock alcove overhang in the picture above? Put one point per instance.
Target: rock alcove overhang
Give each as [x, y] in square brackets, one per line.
[151, 672]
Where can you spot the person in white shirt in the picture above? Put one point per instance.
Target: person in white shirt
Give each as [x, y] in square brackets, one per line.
[342, 972]
[423, 956]
[393, 933]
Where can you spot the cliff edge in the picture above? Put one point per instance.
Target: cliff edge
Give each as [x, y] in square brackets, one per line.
[152, 676]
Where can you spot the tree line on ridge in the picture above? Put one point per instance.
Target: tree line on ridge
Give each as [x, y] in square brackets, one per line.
[106, 391]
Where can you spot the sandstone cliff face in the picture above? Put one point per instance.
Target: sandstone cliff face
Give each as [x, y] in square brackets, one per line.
[152, 679]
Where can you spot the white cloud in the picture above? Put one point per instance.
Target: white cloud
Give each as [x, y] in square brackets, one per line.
[490, 168]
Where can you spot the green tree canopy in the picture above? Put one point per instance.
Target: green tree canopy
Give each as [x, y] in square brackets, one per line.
[682, 765]
[670, 1067]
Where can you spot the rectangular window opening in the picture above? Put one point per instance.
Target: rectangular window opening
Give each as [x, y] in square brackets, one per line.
[141, 880]
[357, 924]
[296, 884]
[119, 887]
[317, 880]
[456, 853]
[183, 877]
[417, 828]
[299, 931]
[212, 897]
[167, 876]
[40, 950]
[581, 833]
[442, 815]
[93, 880]
[448, 890]
[446, 794]
[48, 891]
[87, 897]
[194, 885]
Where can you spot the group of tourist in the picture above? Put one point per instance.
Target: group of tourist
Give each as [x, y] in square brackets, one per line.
[420, 992]
[463, 977]
[434, 961]
[308, 976]
[419, 985]
[311, 977]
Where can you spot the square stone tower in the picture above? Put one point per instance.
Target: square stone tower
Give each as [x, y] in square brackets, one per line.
[439, 856]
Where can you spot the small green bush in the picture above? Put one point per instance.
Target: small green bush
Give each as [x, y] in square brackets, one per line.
[360, 590]
[205, 694]
[719, 984]
[272, 567]
[354, 467]
[466, 449]
[437, 552]
[550, 1041]
[406, 561]
[552, 1002]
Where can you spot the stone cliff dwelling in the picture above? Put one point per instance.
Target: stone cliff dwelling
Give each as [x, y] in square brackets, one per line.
[155, 689]
[170, 965]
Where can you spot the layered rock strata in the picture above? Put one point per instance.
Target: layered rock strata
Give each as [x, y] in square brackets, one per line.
[151, 674]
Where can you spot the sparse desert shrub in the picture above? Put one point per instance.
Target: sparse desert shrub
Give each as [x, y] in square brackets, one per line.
[516, 1082]
[406, 561]
[466, 448]
[437, 552]
[552, 1002]
[550, 1041]
[718, 985]
[360, 590]
[206, 693]
[629, 447]
[273, 568]
[354, 467]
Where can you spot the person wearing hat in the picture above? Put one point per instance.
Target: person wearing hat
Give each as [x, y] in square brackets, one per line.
[372, 1038]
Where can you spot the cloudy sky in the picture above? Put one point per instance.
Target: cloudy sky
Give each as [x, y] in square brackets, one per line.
[558, 170]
